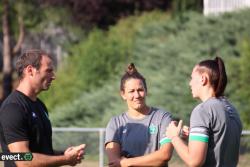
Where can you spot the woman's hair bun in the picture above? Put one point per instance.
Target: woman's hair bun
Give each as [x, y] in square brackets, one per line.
[131, 69]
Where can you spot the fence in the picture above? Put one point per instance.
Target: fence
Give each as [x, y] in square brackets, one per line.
[94, 138]
[78, 140]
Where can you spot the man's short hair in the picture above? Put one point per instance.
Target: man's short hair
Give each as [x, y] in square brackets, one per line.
[30, 57]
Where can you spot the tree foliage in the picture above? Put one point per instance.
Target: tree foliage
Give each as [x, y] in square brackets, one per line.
[165, 51]
[103, 13]
[164, 47]
[94, 61]
[240, 80]
[9, 51]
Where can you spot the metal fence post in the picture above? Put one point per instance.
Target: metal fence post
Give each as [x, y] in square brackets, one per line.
[101, 147]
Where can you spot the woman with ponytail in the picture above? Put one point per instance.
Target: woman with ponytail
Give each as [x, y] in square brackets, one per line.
[215, 126]
[137, 137]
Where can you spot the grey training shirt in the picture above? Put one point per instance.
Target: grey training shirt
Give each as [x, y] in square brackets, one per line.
[217, 122]
[139, 137]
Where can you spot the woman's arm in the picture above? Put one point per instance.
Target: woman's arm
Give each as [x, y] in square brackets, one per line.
[157, 158]
[194, 154]
[113, 152]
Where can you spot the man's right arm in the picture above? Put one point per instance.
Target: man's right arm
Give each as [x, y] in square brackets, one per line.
[72, 156]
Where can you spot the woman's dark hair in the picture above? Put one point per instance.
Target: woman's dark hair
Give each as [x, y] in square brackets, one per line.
[216, 73]
[131, 72]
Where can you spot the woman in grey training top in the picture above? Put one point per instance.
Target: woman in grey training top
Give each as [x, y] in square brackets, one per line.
[137, 137]
[215, 126]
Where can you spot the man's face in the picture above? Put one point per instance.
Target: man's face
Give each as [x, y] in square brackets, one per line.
[44, 76]
[134, 93]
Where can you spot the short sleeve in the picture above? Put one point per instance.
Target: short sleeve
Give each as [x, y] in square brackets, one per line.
[14, 123]
[166, 119]
[199, 125]
[112, 132]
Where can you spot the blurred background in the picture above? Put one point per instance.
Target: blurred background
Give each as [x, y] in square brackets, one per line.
[92, 42]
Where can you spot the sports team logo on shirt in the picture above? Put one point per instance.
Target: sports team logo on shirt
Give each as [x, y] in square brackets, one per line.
[124, 131]
[34, 115]
[152, 129]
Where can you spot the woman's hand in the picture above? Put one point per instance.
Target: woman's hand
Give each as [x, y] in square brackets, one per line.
[185, 132]
[115, 163]
[173, 130]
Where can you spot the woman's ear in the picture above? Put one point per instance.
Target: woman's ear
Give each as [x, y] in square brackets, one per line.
[122, 93]
[204, 79]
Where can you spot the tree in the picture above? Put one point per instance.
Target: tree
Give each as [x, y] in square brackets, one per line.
[103, 13]
[243, 92]
[8, 51]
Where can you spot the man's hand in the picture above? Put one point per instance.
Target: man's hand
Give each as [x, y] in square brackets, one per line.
[75, 154]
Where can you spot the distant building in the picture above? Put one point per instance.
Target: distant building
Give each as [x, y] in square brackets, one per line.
[215, 7]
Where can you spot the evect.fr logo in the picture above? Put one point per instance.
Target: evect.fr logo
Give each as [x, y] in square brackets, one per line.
[16, 156]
